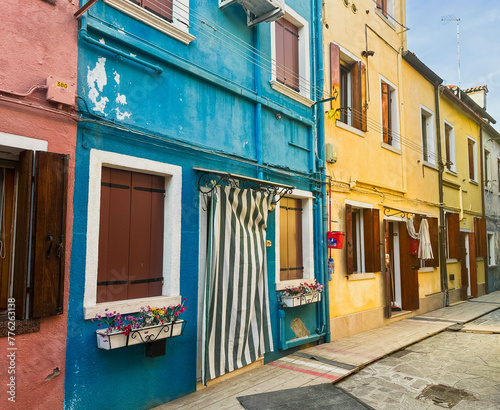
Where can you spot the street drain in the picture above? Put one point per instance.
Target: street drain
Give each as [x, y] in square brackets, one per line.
[444, 396]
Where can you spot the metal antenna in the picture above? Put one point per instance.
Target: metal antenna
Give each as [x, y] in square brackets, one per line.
[451, 17]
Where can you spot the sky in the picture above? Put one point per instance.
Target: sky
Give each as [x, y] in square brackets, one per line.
[435, 43]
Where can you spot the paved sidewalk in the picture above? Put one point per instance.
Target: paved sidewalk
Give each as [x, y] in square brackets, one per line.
[334, 361]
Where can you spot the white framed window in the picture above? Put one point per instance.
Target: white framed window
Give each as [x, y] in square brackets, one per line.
[294, 239]
[449, 139]
[488, 183]
[168, 16]
[290, 63]
[385, 8]
[389, 116]
[491, 249]
[428, 138]
[170, 252]
[472, 158]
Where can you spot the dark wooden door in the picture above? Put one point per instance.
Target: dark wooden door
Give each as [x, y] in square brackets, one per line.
[463, 264]
[472, 265]
[409, 271]
[388, 263]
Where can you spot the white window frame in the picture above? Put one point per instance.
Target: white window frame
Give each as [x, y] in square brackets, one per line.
[396, 143]
[474, 159]
[488, 177]
[172, 232]
[360, 237]
[430, 144]
[307, 240]
[304, 96]
[491, 248]
[178, 28]
[390, 12]
[453, 156]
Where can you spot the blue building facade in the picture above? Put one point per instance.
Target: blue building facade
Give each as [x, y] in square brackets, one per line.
[178, 98]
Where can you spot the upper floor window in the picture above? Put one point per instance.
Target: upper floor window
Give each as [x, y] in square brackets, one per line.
[290, 57]
[487, 170]
[498, 175]
[168, 16]
[385, 7]
[389, 113]
[472, 154]
[491, 249]
[348, 88]
[449, 141]
[428, 140]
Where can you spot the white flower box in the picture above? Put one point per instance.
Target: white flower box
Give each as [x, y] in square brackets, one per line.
[116, 339]
[293, 301]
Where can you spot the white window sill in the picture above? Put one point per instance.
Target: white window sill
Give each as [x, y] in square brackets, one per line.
[425, 270]
[349, 128]
[452, 260]
[294, 282]
[473, 182]
[386, 20]
[141, 14]
[361, 276]
[294, 95]
[129, 306]
[430, 165]
[390, 148]
[451, 172]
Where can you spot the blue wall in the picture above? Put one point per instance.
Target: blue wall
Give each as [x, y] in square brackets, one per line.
[181, 117]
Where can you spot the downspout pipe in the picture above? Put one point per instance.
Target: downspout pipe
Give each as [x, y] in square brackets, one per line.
[442, 222]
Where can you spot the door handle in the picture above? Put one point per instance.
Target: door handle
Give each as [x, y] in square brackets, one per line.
[51, 240]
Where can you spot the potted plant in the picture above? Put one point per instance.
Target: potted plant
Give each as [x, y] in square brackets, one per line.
[149, 325]
[303, 294]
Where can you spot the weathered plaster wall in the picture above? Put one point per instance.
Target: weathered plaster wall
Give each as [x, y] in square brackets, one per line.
[38, 40]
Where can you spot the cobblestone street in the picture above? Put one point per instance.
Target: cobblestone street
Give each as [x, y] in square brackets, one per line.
[459, 370]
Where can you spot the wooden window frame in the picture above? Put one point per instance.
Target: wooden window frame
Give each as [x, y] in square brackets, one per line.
[389, 114]
[172, 232]
[287, 54]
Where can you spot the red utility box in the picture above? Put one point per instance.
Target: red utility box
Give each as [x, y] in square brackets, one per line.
[335, 240]
[414, 243]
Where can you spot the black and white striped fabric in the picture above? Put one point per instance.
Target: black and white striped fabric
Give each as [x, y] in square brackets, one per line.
[238, 327]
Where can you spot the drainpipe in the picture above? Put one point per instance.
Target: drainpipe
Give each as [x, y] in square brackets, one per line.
[483, 209]
[442, 223]
[258, 106]
[320, 117]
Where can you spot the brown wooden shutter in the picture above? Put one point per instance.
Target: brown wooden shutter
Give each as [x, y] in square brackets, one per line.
[386, 113]
[470, 145]
[363, 97]
[356, 95]
[463, 265]
[371, 240]
[292, 56]
[335, 76]
[382, 6]
[22, 242]
[349, 240]
[434, 235]
[162, 8]
[453, 225]
[291, 256]
[472, 264]
[279, 33]
[480, 237]
[284, 239]
[51, 171]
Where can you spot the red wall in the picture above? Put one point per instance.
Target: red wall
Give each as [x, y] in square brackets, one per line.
[39, 39]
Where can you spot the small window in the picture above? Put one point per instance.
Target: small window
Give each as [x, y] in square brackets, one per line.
[385, 7]
[488, 183]
[491, 249]
[472, 154]
[363, 242]
[428, 140]
[389, 113]
[287, 54]
[348, 87]
[449, 138]
[162, 8]
[291, 258]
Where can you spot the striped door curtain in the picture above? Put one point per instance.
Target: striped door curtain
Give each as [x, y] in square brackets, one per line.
[237, 327]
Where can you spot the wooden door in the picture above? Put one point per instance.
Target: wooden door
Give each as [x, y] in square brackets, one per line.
[389, 272]
[463, 264]
[409, 271]
[472, 265]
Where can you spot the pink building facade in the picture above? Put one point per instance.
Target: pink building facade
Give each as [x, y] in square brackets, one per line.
[38, 60]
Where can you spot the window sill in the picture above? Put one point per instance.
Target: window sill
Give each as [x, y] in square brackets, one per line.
[141, 14]
[452, 260]
[349, 128]
[386, 20]
[390, 148]
[294, 95]
[361, 276]
[129, 306]
[451, 172]
[473, 182]
[425, 270]
[430, 165]
[294, 282]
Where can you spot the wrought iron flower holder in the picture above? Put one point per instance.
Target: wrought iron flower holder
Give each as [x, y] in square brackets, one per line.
[150, 334]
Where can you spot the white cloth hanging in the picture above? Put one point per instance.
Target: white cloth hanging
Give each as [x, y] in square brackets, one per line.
[424, 246]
